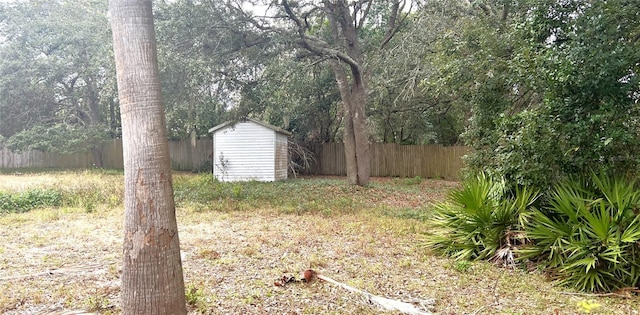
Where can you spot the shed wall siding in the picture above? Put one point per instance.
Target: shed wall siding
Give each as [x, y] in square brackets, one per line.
[281, 156]
[249, 151]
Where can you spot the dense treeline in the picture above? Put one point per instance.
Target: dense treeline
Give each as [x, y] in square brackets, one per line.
[539, 88]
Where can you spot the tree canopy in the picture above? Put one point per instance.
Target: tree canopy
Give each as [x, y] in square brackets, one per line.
[57, 86]
[540, 89]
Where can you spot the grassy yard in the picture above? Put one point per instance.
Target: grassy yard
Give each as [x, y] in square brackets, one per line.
[238, 239]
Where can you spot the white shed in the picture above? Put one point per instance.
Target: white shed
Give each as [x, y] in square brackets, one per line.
[249, 150]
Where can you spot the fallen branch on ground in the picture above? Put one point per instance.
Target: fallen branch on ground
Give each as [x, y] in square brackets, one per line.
[387, 304]
[33, 275]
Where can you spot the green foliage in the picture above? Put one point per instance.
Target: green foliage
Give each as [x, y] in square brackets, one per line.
[206, 61]
[56, 72]
[194, 189]
[91, 196]
[293, 196]
[462, 266]
[60, 138]
[588, 234]
[194, 295]
[28, 200]
[412, 181]
[480, 221]
[96, 191]
[547, 88]
[405, 107]
[303, 96]
[98, 303]
[524, 151]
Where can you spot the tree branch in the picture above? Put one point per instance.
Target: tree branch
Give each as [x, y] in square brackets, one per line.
[315, 44]
[395, 25]
[357, 8]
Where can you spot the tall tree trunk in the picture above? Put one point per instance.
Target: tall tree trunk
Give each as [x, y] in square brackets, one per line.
[152, 281]
[360, 132]
[353, 92]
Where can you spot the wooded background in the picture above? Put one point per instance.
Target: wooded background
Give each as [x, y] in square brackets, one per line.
[534, 88]
[428, 161]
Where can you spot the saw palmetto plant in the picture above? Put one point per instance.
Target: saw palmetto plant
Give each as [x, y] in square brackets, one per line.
[588, 234]
[481, 220]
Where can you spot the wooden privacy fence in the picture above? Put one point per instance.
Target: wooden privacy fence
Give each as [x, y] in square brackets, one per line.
[389, 159]
[428, 161]
[39, 159]
[185, 156]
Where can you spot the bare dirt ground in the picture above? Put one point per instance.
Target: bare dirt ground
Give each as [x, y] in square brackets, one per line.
[64, 259]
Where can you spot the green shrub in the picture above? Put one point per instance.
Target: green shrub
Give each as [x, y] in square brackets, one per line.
[588, 234]
[480, 221]
[28, 200]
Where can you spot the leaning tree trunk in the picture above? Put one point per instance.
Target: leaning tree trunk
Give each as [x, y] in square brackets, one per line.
[152, 281]
[353, 93]
[355, 136]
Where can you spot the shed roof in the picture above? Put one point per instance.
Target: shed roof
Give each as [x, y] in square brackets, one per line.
[264, 124]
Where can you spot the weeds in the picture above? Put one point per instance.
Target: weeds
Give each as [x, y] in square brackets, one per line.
[29, 199]
[98, 303]
[461, 265]
[87, 190]
[193, 295]
[196, 298]
[296, 196]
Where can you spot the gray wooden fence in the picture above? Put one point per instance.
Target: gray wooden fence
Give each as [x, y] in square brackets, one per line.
[390, 160]
[427, 161]
[185, 156]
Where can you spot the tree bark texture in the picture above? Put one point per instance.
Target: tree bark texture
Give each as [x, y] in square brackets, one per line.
[152, 280]
[353, 92]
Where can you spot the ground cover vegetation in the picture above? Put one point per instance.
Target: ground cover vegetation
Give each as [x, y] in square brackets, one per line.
[237, 239]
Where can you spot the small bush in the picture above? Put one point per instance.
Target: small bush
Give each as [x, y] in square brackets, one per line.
[480, 221]
[589, 234]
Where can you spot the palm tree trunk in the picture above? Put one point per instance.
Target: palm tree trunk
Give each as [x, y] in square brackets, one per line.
[152, 280]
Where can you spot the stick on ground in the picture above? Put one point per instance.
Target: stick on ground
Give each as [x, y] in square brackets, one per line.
[387, 304]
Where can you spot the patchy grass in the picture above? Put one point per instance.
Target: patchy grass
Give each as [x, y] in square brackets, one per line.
[237, 239]
[88, 190]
